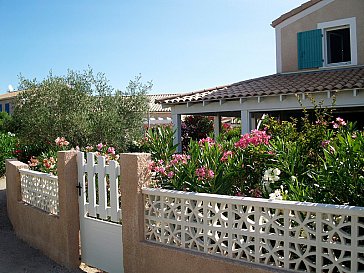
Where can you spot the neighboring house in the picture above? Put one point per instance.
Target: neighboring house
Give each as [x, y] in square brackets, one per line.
[320, 53]
[6, 101]
[158, 115]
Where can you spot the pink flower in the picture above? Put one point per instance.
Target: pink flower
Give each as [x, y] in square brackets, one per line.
[226, 156]
[203, 173]
[61, 141]
[151, 165]
[160, 170]
[176, 158]
[339, 122]
[170, 174]
[210, 174]
[99, 146]
[256, 137]
[325, 143]
[208, 140]
[200, 172]
[111, 150]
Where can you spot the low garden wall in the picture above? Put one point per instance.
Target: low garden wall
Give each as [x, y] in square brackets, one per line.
[43, 209]
[140, 254]
[299, 236]
[172, 231]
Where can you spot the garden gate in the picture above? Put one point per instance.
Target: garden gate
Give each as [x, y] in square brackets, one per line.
[100, 213]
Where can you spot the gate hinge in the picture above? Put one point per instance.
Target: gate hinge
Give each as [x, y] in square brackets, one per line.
[79, 187]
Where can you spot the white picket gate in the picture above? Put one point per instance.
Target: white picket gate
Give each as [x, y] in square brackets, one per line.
[100, 213]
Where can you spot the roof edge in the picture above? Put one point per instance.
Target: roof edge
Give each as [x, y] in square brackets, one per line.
[294, 11]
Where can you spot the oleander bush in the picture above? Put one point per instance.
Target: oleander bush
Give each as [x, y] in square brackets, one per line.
[320, 161]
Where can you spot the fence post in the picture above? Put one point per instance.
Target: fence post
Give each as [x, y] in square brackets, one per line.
[134, 175]
[13, 189]
[68, 203]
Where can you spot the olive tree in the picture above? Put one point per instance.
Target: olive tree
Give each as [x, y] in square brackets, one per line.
[82, 107]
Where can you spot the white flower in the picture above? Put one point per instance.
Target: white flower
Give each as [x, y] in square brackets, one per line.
[276, 172]
[271, 175]
[276, 195]
[11, 134]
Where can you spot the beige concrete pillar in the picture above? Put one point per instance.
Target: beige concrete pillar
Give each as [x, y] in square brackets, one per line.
[68, 203]
[134, 175]
[13, 191]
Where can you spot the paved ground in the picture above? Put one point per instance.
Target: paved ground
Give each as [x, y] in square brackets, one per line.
[18, 257]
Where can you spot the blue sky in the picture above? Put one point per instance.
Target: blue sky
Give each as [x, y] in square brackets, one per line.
[181, 46]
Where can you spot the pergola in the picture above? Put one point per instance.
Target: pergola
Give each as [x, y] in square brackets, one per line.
[282, 93]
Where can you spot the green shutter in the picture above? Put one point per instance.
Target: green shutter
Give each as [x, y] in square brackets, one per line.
[309, 45]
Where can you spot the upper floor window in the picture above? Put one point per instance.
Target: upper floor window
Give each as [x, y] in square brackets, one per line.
[331, 44]
[338, 46]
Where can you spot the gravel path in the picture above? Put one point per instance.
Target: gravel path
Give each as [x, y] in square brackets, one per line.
[17, 256]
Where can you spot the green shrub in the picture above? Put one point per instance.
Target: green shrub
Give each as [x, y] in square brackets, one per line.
[5, 120]
[158, 141]
[83, 107]
[341, 173]
[7, 146]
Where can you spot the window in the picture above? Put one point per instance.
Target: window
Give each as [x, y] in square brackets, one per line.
[331, 44]
[338, 45]
[339, 42]
[7, 108]
[1, 107]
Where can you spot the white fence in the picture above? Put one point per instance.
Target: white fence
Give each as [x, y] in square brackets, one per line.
[40, 190]
[100, 187]
[298, 236]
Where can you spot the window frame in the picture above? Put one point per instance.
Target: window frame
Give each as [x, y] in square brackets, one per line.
[334, 25]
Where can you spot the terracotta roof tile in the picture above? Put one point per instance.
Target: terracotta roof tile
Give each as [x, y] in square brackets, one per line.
[156, 107]
[293, 12]
[278, 84]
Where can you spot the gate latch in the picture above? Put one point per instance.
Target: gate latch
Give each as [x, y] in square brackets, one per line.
[79, 187]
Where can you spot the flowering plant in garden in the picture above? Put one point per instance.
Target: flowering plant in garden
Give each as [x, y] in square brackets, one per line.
[226, 167]
[104, 150]
[320, 161]
[47, 161]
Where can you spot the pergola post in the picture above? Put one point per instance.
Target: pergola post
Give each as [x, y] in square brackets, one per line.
[177, 128]
[217, 125]
[245, 121]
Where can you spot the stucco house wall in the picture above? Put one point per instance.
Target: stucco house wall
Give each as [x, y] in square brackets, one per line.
[339, 9]
[7, 98]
